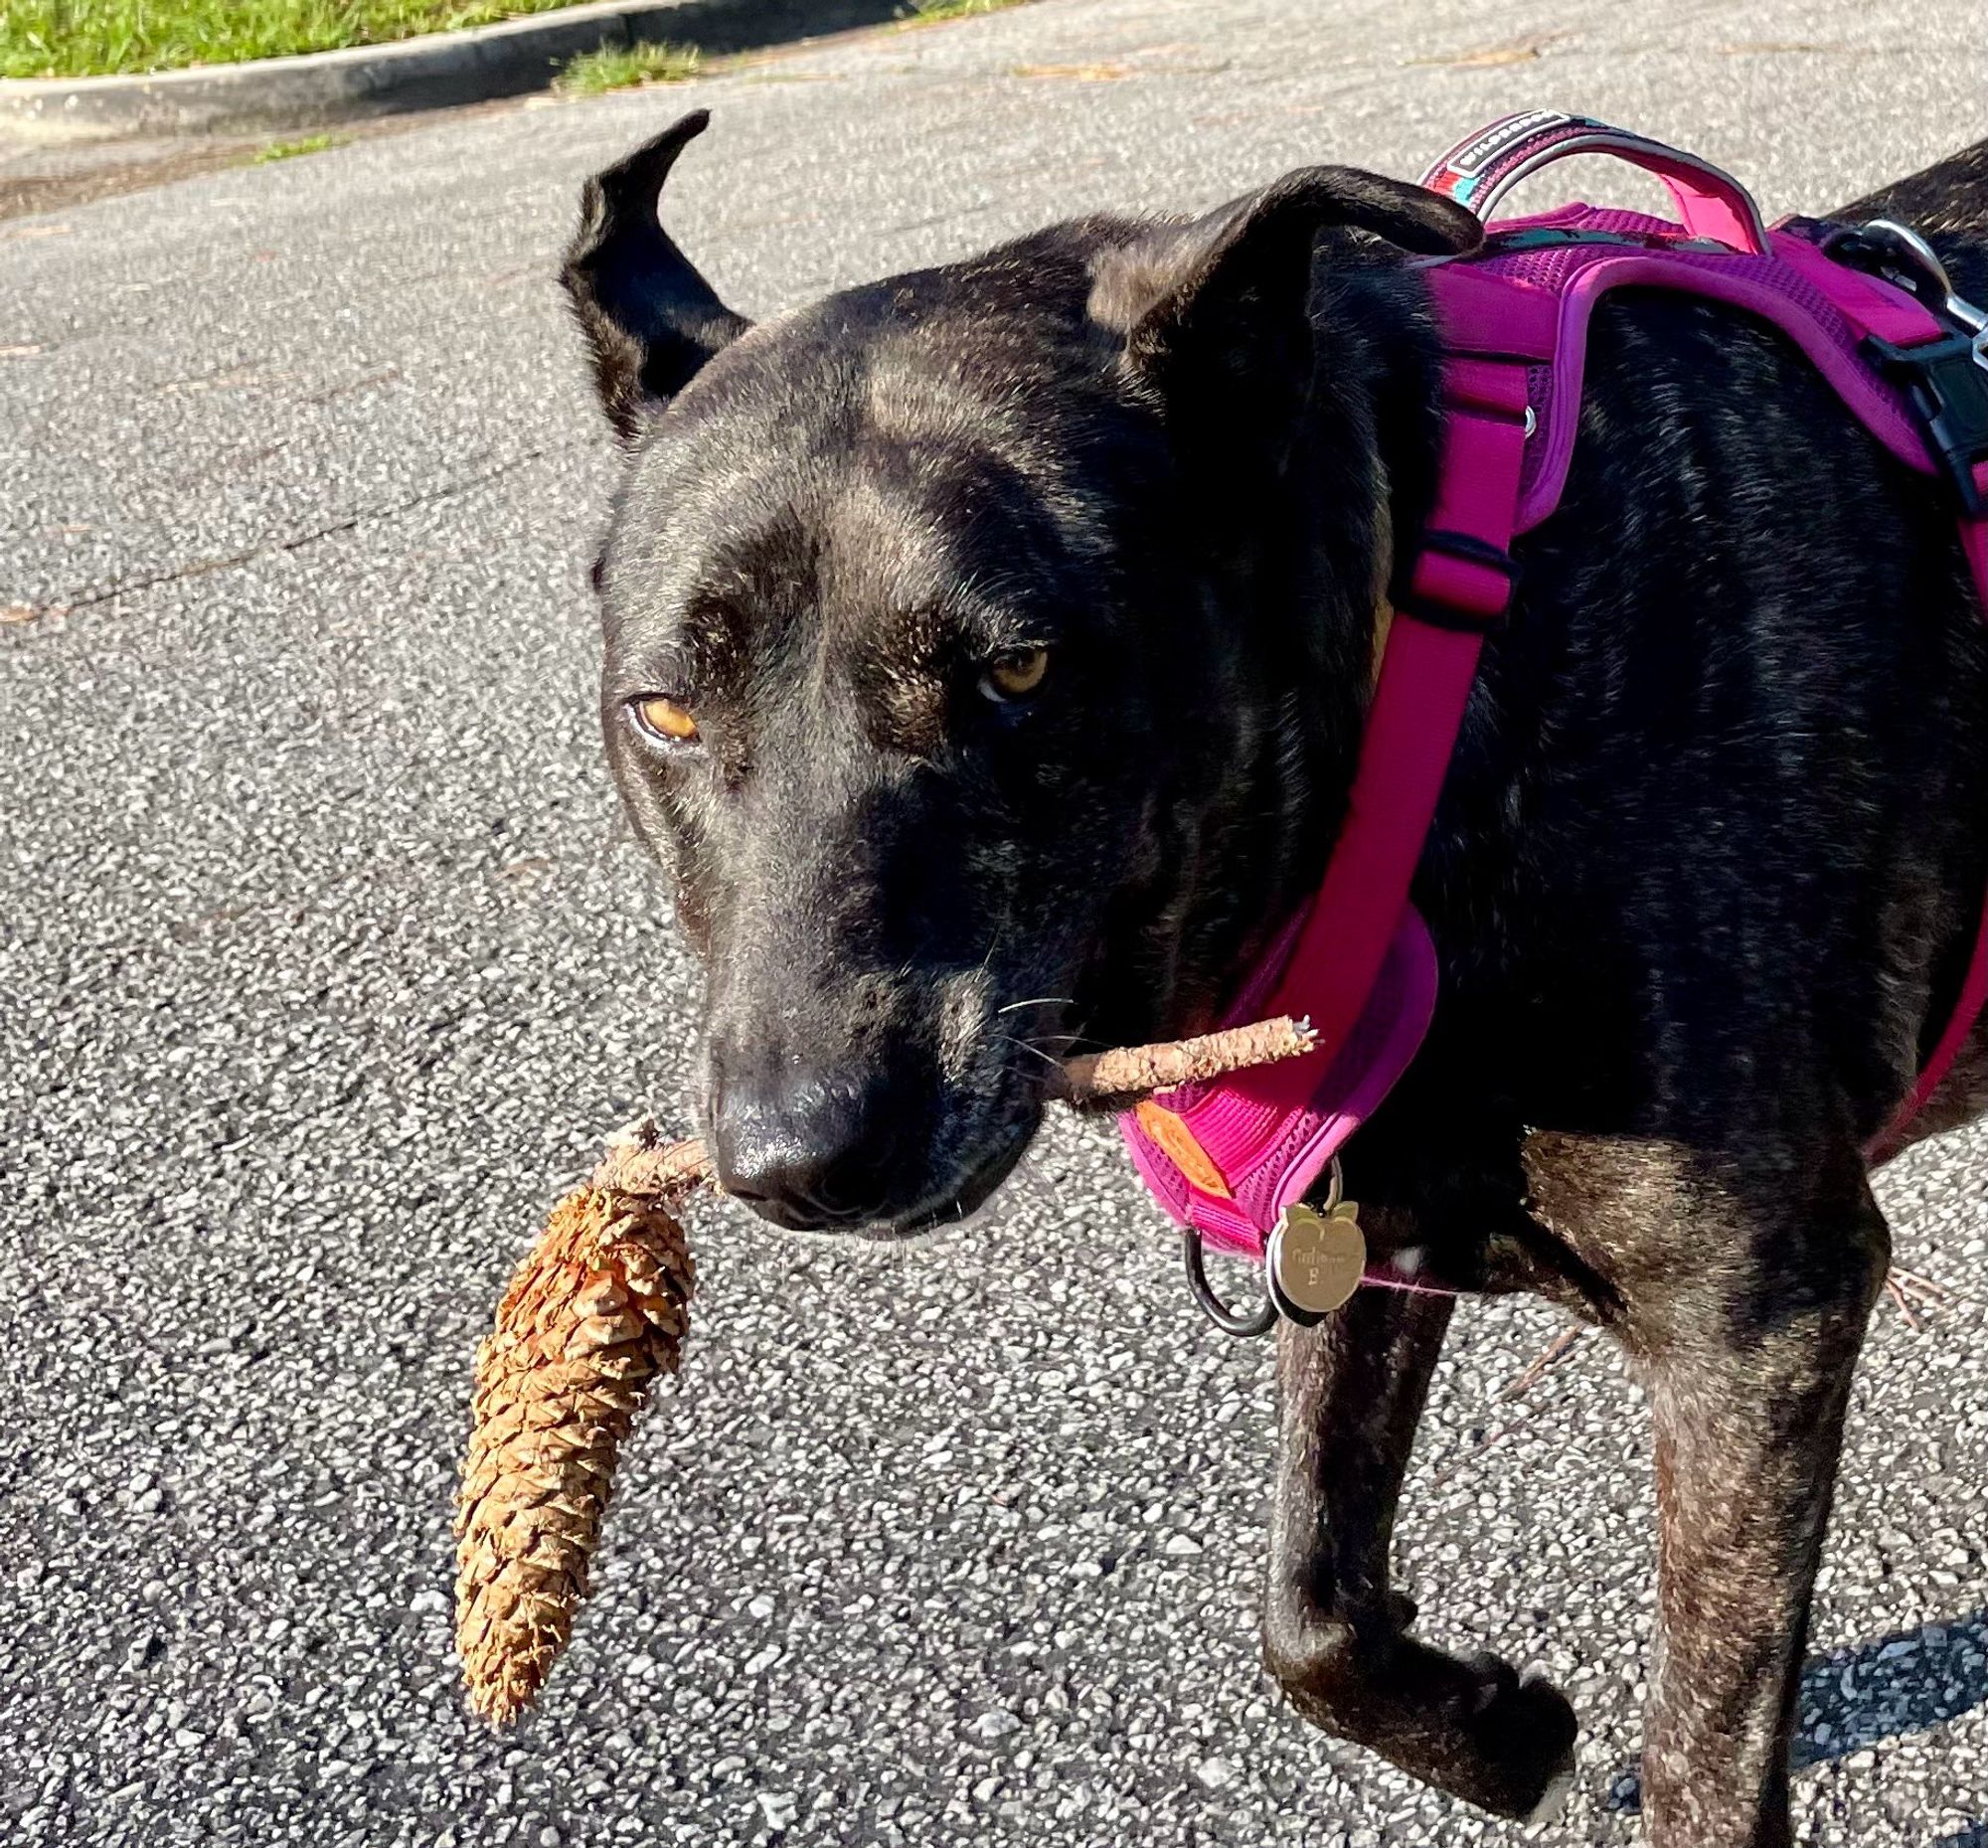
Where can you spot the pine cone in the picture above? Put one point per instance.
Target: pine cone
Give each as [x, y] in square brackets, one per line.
[592, 1316]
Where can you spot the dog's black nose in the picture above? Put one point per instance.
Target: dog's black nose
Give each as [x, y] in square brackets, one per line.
[808, 1152]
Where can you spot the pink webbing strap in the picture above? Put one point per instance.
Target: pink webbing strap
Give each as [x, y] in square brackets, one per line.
[1256, 1138]
[1894, 316]
[1458, 586]
[1871, 307]
[1477, 173]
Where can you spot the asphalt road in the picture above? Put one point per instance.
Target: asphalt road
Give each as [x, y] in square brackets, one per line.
[323, 957]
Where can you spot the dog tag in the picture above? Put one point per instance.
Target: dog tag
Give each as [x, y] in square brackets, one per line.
[1315, 1260]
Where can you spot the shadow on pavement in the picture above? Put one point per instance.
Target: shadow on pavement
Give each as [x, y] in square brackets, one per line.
[1854, 1698]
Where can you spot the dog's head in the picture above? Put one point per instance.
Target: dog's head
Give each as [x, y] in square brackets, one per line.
[950, 664]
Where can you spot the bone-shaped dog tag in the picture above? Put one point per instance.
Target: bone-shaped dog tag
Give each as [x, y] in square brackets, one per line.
[1315, 1260]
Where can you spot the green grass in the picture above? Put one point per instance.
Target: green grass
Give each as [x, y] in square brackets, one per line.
[619, 67]
[289, 150]
[91, 38]
[929, 12]
[88, 37]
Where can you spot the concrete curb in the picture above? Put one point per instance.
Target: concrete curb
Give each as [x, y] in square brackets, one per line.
[433, 72]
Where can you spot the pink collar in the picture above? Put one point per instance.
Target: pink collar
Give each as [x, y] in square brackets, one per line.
[1231, 1157]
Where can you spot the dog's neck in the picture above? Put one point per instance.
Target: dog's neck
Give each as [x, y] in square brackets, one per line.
[1307, 587]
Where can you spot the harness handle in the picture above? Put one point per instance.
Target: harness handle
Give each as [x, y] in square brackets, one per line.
[1477, 173]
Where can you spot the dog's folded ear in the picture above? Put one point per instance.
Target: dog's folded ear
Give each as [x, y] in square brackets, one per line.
[1213, 306]
[650, 320]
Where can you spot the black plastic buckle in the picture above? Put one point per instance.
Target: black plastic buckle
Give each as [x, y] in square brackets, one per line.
[1946, 378]
[1474, 551]
[1948, 389]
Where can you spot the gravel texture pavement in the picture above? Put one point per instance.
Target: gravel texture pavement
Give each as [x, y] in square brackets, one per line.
[324, 957]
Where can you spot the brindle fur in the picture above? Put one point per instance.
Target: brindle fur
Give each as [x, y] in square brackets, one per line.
[1702, 882]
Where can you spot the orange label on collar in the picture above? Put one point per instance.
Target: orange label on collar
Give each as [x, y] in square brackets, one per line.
[1176, 1141]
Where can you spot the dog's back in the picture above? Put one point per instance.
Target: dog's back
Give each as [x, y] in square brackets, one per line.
[1946, 200]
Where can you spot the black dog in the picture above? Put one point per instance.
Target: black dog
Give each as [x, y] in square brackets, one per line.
[988, 648]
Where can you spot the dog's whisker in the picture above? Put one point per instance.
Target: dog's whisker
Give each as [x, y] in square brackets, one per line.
[1014, 1007]
[1028, 1046]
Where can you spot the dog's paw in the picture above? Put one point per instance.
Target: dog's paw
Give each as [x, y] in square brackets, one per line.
[1473, 1726]
[1525, 1728]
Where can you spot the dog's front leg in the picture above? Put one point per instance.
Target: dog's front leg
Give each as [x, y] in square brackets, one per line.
[1334, 1634]
[1748, 1388]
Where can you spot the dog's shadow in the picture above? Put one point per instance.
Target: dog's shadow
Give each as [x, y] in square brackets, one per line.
[1854, 1698]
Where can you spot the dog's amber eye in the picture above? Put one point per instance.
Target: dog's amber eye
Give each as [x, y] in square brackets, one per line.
[1015, 674]
[665, 719]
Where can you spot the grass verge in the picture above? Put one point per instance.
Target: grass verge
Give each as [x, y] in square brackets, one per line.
[98, 37]
[93, 38]
[930, 12]
[621, 67]
[289, 150]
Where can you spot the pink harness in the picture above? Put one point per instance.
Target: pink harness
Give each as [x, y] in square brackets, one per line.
[1229, 1157]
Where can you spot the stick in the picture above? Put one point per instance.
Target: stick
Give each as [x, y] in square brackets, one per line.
[1557, 1350]
[641, 1163]
[1138, 1071]
[1913, 1293]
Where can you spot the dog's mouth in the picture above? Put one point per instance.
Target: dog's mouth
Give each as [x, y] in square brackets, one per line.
[908, 1134]
[978, 1184]
[971, 1182]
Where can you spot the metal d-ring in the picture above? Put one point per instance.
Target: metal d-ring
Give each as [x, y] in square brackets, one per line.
[1905, 259]
[1229, 1321]
[1262, 1322]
